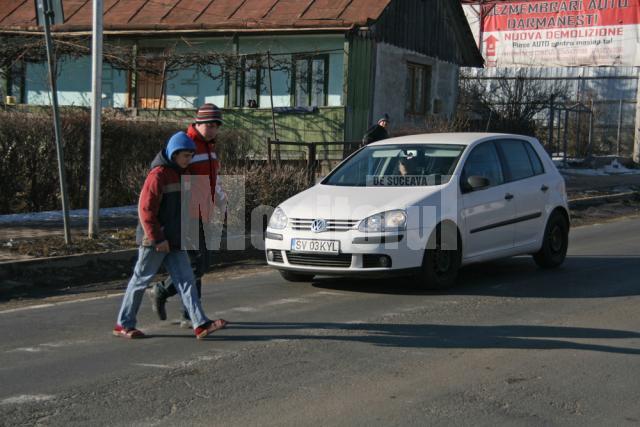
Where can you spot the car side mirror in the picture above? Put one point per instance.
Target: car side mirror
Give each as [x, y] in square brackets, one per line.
[476, 183]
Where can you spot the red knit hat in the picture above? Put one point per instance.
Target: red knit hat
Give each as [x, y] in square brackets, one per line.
[209, 113]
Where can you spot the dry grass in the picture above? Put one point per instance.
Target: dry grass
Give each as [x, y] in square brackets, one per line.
[48, 246]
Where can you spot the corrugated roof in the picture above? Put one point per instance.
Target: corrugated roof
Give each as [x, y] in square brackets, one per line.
[132, 15]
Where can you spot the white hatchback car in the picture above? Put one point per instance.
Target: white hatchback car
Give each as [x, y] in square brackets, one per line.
[424, 205]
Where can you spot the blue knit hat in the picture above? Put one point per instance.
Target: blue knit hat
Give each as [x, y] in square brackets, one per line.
[178, 142]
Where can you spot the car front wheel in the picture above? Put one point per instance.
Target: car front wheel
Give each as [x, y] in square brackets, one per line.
[554, 243]
[441, 263]
[295, 277]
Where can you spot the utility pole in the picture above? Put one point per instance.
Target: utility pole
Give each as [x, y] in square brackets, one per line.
[636, 133]
[273, 116]
[96, 116]
[550, 124]
[48, 17]
[619, 129]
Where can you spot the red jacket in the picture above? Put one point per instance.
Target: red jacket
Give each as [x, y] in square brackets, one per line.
[159, 205]
[205, 162]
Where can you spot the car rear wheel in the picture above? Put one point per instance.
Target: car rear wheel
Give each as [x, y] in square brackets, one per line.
[295, 277]
[441, 261]
[554, 243]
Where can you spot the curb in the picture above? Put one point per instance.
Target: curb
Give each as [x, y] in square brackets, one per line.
[67, 270]
[83, 269]
[598, 200]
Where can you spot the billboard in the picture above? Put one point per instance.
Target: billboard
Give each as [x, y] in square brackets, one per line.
[560, 33]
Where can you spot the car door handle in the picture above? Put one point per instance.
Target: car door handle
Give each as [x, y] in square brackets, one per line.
[544, 188]
[508, 196]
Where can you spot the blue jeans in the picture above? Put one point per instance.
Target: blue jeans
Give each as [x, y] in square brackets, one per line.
[177, 264]
[200, 263]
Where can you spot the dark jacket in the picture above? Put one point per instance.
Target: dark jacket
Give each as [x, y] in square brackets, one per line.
[159, 206]
[374, 133]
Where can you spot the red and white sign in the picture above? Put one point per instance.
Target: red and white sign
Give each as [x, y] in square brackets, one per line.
[561, 33]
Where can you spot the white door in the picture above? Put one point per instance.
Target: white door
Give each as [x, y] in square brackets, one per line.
[487, 213]
[530, 188]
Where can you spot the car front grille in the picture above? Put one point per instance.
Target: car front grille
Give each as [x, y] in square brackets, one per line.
[332, 224]
[319, 260]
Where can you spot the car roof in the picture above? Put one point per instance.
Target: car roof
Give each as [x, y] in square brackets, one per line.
[457, 138]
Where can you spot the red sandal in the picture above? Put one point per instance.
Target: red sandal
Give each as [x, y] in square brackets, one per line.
[206, 329]
[132, 333]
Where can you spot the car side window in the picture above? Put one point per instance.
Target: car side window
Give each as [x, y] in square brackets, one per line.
[517, 160]
[484, 161]
[538, 169]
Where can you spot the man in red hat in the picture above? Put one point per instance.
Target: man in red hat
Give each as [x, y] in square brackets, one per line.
[205, 163]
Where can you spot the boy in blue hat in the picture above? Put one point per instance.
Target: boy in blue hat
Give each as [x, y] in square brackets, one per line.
[159, 237]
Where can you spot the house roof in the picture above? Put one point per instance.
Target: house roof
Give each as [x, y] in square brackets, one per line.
[194, 15]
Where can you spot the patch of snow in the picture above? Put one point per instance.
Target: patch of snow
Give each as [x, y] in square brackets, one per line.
[584, 172]
[559, 158]
[26, 398]
[78, 214]
[613, 168]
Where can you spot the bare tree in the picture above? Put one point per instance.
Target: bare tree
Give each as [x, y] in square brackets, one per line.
[509, 100]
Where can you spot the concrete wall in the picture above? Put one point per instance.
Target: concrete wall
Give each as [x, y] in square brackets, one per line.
[391, 83]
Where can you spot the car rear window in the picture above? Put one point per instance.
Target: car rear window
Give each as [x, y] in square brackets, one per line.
[517, 160]
[535, 159]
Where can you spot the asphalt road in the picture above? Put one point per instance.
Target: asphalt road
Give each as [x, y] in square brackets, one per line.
[511, 345]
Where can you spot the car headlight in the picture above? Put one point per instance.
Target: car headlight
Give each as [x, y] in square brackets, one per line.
[384, 221]
[278, 219]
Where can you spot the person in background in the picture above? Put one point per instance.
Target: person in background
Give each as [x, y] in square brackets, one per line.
[378, 131]
[407, 166]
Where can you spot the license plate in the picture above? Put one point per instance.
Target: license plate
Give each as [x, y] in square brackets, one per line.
[317, 246]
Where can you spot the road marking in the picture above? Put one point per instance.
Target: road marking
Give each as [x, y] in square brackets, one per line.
[282, 301]
[26, 398]
[120, 294]
[152, 365]
[186, 363]
[55, 304]
[26, 349]
[288, 301]
[46, 346]
[63, 343]
[243, 309]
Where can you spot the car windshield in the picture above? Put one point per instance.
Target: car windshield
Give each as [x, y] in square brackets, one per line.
[397, 166]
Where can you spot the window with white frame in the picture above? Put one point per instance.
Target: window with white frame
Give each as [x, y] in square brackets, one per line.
[250, 83]
[310, 81]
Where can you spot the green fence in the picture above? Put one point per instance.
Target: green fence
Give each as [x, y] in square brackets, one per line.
[326, 124]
